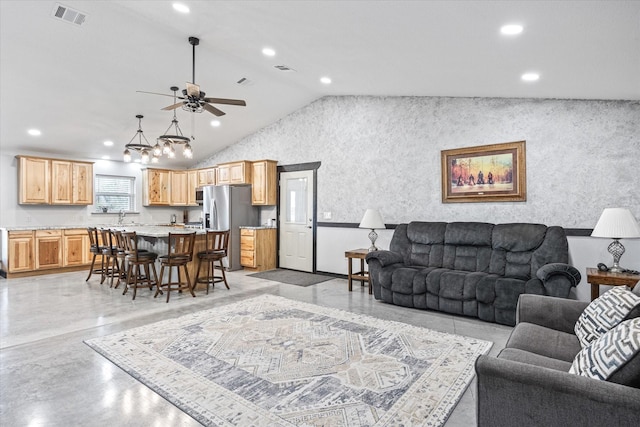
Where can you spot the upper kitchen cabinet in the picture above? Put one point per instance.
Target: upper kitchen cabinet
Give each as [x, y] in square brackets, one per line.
[264, 182]
[206, 177]
[34, 180]
[155, 187]
[55, 182]
[234, 173]
[192, 184]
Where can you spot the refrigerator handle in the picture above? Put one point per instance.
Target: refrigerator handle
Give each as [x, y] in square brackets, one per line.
[215, 215]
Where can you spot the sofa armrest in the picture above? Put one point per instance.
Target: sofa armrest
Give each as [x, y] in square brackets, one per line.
[513, 393]
[560, 314]
[558, 278]
[384, 257]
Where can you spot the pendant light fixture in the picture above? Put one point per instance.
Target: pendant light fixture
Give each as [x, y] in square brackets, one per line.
[169, 140]
[145, 149]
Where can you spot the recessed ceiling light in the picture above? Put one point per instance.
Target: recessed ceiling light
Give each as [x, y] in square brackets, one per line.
[530, 77]
[325, 80]
[179, 7]
[267, 51]
[215, 123]
[34, 132]
[106, 157]
[511, 29]
[108, 143]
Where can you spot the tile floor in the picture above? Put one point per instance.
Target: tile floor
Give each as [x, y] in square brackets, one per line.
[49, 377]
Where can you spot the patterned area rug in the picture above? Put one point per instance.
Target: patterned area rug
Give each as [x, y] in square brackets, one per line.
[271, 361]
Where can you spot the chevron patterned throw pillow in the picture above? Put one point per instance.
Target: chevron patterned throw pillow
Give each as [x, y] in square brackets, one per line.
[610, 352]
[604, 313]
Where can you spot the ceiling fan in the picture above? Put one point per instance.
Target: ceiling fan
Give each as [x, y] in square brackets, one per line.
[193, 99]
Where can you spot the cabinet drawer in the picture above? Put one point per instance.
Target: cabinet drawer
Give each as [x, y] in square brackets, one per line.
[247, 243]
[48, 233]
[76, 232]
[247, 232]
[21, 233]
[247, 259]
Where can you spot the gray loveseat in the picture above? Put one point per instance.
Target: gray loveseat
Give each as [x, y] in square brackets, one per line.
[472, 268]
[529, 383]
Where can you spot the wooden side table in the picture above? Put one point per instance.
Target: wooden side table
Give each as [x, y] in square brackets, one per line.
[362, 275]
[596, 278]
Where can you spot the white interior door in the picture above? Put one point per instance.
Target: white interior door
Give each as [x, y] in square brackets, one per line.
[296, 220]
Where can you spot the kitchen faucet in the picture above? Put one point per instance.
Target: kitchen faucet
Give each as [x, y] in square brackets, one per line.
[121, 215]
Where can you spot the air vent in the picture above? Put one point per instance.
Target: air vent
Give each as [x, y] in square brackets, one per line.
[69, 15]
[284, 68]
[244, 82]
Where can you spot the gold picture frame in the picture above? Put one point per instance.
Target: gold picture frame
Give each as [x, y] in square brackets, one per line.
[487, 173]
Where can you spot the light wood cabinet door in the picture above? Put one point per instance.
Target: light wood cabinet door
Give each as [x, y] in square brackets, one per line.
[20, 251]
[48, 249]
[76, 249]
[155, 186]
[179, 191]
[234, 173]
[61, 182]
[192, 184]
[202, 177]
[264, 181]
[82, 178]
[34, 183]
[206, 177]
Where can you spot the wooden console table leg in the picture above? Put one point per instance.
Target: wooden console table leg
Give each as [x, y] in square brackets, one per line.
[349, 260]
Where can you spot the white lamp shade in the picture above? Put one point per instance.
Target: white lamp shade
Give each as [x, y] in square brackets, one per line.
[617, 223]
[372, 220]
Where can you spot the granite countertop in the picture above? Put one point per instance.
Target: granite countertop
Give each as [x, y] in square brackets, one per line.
[147, 230]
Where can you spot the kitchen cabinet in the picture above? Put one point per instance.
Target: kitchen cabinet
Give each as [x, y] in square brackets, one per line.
[76, 247]
[179, 188]
[192, 184]
[82, 178]
[55, 181]
[19, 256]
[258, 248]
[206, 177]
[155, 187]
[263, 182]
[48, 249]
[34, 180]
[234, 173]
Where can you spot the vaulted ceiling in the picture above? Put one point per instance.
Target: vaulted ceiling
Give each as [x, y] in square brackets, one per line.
[78, 83]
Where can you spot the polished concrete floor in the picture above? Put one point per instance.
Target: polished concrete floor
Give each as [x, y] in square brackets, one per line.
[49, 377]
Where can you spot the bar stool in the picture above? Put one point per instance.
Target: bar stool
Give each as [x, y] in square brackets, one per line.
[216, 245]
[121, 255]
[180, 254]
[109, 253]
[135, 258]
[96, 249]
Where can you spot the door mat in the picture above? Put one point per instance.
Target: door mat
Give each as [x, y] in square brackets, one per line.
[291, 277]
[272, 361]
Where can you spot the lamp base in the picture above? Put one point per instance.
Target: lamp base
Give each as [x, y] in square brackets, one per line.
[616, 249]
[373, 236]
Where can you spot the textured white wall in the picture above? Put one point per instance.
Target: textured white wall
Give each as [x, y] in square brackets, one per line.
[384, 152]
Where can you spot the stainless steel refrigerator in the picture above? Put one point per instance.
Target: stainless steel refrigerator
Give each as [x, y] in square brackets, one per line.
[228, 208]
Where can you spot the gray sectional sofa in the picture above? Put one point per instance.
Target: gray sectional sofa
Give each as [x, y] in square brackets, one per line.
[472, 268]
[529, 384]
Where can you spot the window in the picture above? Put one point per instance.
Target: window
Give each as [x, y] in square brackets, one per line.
[115, 193]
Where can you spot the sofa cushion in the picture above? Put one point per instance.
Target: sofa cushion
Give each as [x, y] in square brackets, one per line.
[517, 355]
[605, 312]
[544, 341]
[617, 352]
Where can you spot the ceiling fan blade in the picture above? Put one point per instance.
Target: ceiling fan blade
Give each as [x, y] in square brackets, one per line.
[226, 101]
[162, 94]
[213, 110]
[174, 106]
[193, 90]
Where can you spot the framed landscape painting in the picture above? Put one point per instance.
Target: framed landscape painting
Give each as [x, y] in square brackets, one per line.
[488, 173]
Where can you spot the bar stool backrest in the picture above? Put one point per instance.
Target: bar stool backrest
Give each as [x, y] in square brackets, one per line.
[217, 241]
[107, 240]
[181, 245]
[93, 238]
[130, 244]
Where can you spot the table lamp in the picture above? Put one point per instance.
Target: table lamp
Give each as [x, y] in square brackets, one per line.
[372, 220]
[616, 223]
